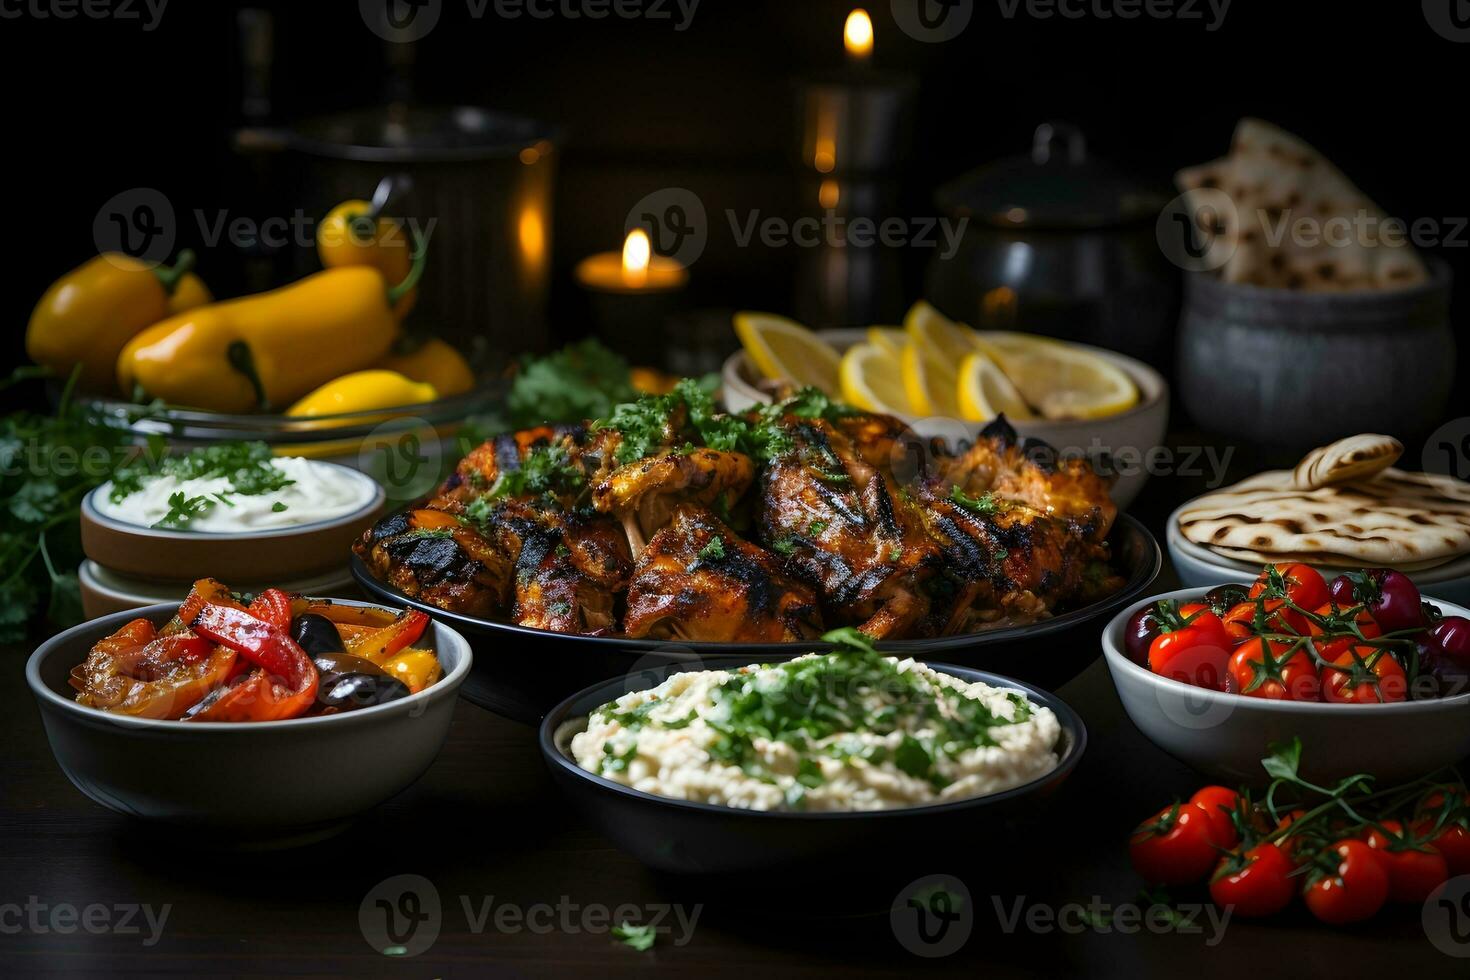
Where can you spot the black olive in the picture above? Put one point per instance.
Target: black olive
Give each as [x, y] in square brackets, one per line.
[348, 691]
[331, 664]
[316, 634]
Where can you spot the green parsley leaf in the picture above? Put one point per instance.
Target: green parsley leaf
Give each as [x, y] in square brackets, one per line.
[639, 937]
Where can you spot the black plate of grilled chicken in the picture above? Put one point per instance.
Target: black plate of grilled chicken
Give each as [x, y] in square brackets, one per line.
[671, 532]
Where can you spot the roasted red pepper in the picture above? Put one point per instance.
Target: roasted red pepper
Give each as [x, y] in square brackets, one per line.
[284, 684]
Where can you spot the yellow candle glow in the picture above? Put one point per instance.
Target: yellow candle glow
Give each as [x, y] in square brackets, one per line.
[857, 36]
[634, 270]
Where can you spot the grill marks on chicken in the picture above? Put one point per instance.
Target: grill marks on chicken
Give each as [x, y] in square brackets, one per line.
[698, 581]
[853, 520]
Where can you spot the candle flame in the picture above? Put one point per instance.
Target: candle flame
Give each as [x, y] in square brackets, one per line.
[857, 34]
[637, 253]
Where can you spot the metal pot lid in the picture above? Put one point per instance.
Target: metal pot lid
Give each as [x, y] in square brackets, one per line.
[1055, 186]
[399, 133]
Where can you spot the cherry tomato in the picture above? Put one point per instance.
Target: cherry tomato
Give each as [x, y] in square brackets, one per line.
[1223, 598]
[1271, 669]
[1452, 635]
[1302, 584]
[1173, 846]
[1453, 839]
[1331, 649]
[1257, 883]
[1194, 649]
[1241, 619]
[1391, 598]
[1414, 869]
[1143, 628]
[1364, 675]
[1354, 890]
[1219, 803]
[1291, 845]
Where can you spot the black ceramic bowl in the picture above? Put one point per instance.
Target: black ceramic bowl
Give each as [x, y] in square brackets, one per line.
[705, 839]
[521, 672]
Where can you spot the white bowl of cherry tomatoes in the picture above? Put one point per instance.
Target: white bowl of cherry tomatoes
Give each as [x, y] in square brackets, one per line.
[1371, 677]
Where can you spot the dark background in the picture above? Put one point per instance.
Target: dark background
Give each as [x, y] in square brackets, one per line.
[97, 106]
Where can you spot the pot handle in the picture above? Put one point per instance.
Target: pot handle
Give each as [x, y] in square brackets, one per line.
[1053, 136]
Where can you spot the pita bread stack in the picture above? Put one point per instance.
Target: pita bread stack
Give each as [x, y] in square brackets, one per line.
[1344, 505]
[1297, 221]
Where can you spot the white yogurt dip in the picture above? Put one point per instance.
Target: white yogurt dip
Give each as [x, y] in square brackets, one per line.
[311, 491]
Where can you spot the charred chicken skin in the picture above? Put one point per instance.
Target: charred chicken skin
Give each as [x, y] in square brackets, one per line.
[671, 520]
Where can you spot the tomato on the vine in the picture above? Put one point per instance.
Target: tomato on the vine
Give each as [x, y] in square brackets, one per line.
[1219, 804]
[1275, 670]
[1414, 869]
[1194, 648]
[1331, 649]
[1302, 584]
[1364, 675]
[1173, 847]
[1453, 839]
[1292, 846]
[1256, 883]
[1353, 889]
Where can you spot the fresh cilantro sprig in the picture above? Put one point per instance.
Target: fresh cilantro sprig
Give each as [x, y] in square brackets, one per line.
[247, 466]
[546, 469]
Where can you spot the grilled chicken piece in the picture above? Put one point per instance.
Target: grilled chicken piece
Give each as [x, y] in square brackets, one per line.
[643, 494]
[698, 581]
[432, 556]
[1023, 530]
[847, 529]
[479, 471]
[553, 592]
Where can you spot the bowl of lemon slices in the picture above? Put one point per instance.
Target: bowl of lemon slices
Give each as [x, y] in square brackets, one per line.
[948, 380]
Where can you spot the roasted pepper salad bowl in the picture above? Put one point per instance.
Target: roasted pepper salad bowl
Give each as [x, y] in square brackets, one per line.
[265, 782]
[521, 673]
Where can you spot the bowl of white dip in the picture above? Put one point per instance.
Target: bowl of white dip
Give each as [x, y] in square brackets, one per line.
[723, 767]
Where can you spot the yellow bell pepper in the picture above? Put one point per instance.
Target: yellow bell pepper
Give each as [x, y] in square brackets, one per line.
[268, 350]
[363, 391]
[431, 362]
[89, 314]
[348, 236]
[417, 669]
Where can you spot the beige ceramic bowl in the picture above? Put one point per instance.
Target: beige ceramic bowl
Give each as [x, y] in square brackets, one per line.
[1131, 438]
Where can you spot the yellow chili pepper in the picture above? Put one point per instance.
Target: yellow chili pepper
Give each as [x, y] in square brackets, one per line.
[431, 362]
[267, 350]
[89, 314]
[363, 391]
[349, 235]
[417, 669]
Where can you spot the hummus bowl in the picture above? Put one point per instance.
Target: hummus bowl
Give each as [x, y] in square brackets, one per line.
[690, 836]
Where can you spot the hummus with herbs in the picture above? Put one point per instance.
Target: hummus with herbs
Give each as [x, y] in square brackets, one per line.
[850, 730]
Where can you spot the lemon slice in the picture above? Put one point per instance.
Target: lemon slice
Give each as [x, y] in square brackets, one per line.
[930, 381]
[985, 392]
[891, 339]
[1062, 381]
[939, 335]
[785, 350]
[873, 381]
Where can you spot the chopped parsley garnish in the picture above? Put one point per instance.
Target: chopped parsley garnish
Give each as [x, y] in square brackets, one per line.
[276, 507]
[713, 551]
[816, 527]
[246, 465]
[546, 469]
[182, 510]
[983, 504]
[640, 938]
[783, 546]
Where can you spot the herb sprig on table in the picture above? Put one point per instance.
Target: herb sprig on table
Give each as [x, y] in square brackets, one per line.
[47, 464]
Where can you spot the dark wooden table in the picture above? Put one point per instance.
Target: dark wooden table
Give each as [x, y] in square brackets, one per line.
[487, 829]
